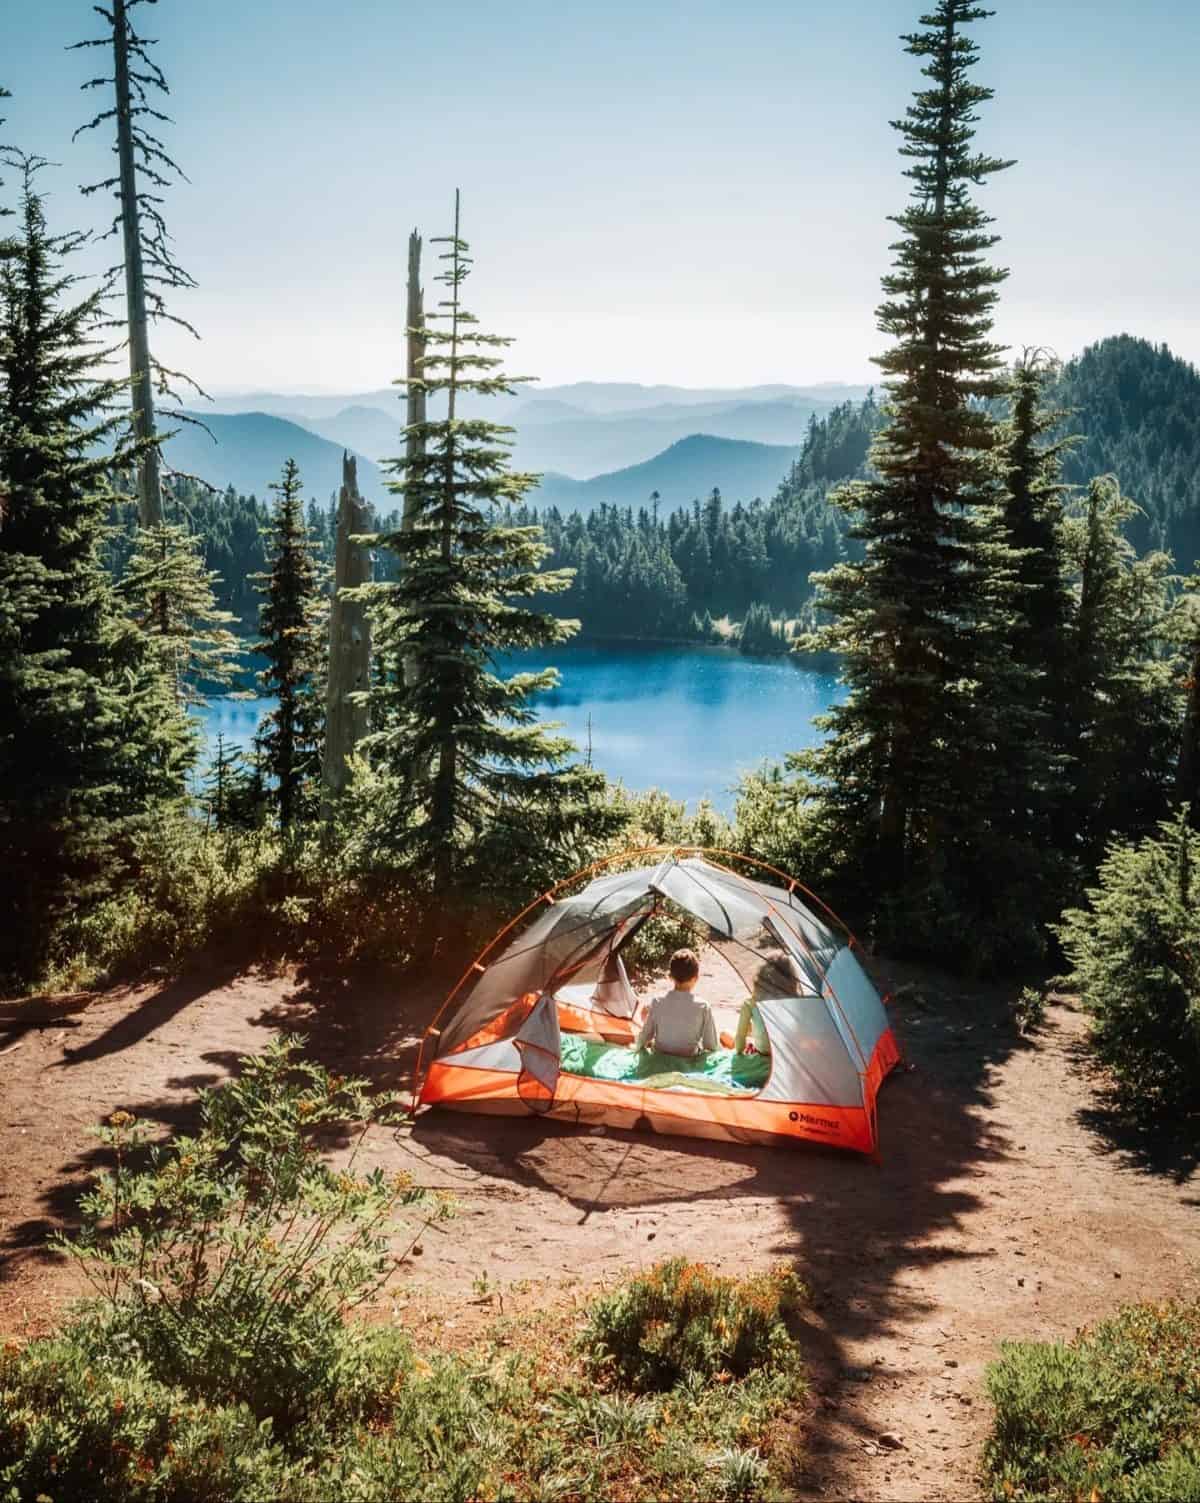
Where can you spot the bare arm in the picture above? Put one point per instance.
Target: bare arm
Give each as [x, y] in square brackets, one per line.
[648, 1029]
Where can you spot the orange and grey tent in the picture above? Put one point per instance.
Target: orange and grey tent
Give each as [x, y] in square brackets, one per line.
[546, 1019]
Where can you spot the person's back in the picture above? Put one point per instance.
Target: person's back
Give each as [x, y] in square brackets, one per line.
[678, 1022]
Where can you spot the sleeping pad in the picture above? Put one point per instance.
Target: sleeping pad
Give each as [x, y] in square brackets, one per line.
[721, 1072]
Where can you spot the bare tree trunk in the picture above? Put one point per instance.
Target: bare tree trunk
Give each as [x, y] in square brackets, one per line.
[415, 408]
[349, 636]
[149, 480]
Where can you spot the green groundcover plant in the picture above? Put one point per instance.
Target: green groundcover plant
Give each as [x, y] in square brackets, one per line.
[682, 1322]
[1112, 1416]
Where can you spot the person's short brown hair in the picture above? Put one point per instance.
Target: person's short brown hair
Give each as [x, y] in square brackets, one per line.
[685, 965]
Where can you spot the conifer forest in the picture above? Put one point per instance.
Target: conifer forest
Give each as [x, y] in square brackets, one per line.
[995, 552]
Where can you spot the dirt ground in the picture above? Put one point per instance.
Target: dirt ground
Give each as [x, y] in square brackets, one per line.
[1009, 1203]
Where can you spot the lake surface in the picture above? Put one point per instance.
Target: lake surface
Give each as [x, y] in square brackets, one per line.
[686, 719]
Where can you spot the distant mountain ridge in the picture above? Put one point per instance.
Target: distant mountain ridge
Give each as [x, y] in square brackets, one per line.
[604, 427]
[250, 450]
[688, 470]
[600, 398]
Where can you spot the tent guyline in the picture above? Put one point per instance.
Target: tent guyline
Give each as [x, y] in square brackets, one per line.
[546, 1022]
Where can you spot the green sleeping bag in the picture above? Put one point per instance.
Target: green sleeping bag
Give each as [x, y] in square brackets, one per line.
[722, 1072]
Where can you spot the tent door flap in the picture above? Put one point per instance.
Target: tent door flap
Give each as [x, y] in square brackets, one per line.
[539, 1043]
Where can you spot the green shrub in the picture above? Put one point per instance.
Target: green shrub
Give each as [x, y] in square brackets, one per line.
[181, 887]
[682, 1321]
[228, 1263]
[1028, 1009]
[655, 818]
[520, 1415]
[1135, 957]
[1114, 1414]
[75, 1424]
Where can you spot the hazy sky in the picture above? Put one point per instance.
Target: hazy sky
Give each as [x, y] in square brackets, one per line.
[694, 193]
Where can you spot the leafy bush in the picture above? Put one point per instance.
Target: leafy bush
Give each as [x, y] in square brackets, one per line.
[181, 887]
[1135, 957]
[84, 1415]
[228, 1263]
[1114, 1414]
[655, 818]
[682, 1321]
[654, 942]
[79, 1424]
[1028, 1009]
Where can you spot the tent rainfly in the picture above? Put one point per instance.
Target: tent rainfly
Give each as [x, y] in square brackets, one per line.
[547, 1023]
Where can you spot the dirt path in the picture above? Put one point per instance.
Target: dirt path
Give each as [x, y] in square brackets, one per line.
[1004, 1206]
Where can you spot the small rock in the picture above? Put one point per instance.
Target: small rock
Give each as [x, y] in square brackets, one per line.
[650, 1236]
[418, 1249]
[597, 1132]
[1116, 1275]
[1020, 1283]
[950, 1362]
[891, 1440]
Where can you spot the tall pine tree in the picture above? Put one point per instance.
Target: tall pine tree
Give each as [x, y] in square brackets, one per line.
[1120, 709]
[1034, 494]
[290, 623]
[473, 779]
[913, 778]
[90, 743]
[1033, 510]
[171, 596]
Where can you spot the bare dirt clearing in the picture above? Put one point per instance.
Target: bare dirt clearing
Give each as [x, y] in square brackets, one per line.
[1006, 1205]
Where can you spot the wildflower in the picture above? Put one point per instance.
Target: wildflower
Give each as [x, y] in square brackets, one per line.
[121, 1119]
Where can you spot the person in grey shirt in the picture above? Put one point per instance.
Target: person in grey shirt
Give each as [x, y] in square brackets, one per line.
[678, 1022]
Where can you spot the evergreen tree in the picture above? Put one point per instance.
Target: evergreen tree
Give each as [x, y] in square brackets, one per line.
[235, 795]
[472, 774]
[915, 769]
[1120, 710]
[1033, 510]
[1032, 525]
[290, 624]
[759, 633]
[89, 741]
[171, 596]
[1185, 632]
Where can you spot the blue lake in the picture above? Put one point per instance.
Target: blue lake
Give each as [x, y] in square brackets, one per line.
[686, 719]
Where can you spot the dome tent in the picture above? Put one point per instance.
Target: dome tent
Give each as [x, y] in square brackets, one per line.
[545, 1022]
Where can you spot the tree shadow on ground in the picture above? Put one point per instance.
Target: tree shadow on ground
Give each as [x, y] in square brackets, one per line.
[1139, 1140]
[26, 1242]
[1138, 1143]
[149, 1016]
[361, 1022]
